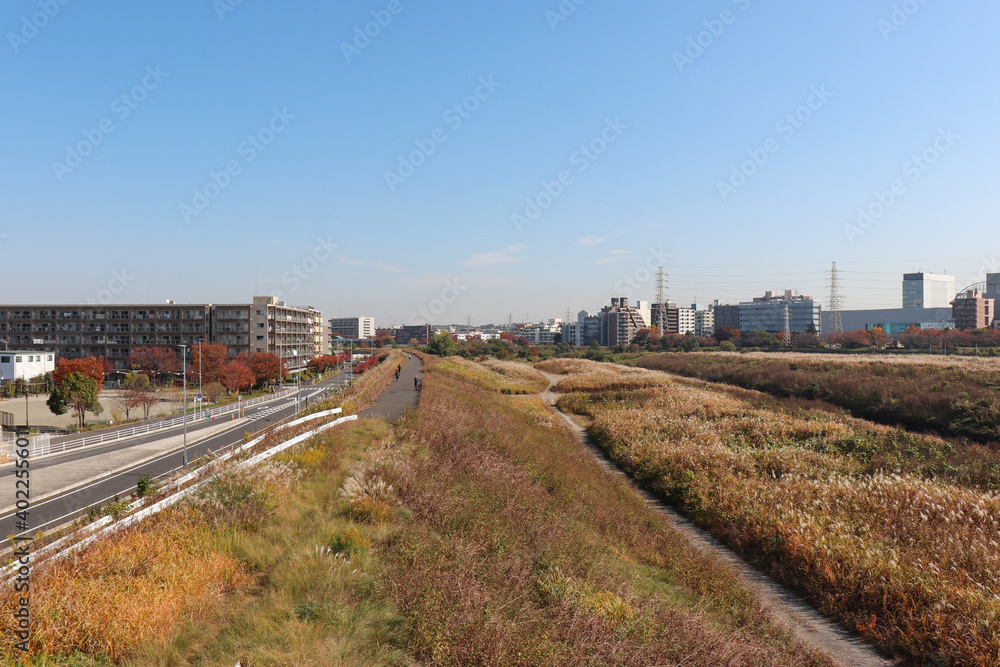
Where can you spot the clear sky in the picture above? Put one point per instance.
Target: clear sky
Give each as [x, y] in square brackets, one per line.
[480, 159]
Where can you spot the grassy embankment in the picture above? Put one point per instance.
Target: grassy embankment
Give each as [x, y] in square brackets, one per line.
[239, 572]
[956, 397]
[474, 532]
[851, 513]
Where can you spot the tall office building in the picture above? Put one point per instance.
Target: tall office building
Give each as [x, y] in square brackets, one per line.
[928, 290]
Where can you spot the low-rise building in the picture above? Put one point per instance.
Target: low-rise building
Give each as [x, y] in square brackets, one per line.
[25, 364]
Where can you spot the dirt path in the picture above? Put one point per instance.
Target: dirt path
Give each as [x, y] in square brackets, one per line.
[787, 608]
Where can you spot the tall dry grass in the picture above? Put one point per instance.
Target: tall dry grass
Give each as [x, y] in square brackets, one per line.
[522, 550]
[957, 398]
[911, 563]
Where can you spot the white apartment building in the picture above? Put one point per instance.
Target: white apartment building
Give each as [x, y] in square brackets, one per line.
[686, 320]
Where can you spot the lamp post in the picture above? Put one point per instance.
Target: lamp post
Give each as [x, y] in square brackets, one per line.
[185, 391]
[201, 389]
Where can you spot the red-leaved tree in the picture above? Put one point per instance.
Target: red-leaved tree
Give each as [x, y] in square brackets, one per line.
[236, 375]
[154, 362]
[91, 367]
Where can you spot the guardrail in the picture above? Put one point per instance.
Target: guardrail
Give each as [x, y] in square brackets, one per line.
[39, 448]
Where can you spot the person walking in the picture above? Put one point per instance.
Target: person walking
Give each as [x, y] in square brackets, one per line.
[416, 382]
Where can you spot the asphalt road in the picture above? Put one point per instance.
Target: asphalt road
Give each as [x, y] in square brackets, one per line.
[57, 510]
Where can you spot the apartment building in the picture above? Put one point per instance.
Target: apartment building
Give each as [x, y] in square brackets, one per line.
[113, 332]
[620, 322]
[972, 310]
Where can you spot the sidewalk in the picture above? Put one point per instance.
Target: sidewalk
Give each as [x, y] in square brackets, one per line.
[400, 396]
[49, 480]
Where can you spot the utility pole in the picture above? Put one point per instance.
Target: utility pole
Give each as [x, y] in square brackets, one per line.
[836, 301]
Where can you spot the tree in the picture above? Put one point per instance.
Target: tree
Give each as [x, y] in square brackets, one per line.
[690, 343]
[213, 357]
[878, 337]
[154, 362]
[77, 392]
[132, 394]
[442, 344]
[727, 333]
[236, 375]
[91, 367]
[760, 338]
[266, 367]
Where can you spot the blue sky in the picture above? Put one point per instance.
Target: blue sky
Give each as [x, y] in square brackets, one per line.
[189, 149]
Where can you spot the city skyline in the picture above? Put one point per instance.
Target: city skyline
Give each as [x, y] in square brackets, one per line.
[482, 160]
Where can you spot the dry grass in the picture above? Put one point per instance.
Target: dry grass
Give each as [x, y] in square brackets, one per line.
[522, 550]
[910, 563]
[505, 377]
[584, 375]
[957, 397]
[139, 586]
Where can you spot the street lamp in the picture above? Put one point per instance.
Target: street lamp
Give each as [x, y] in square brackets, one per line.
[184, 406]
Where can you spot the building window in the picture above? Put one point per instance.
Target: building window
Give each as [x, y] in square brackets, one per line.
[49, 357]
[17, 359]
[4, 360]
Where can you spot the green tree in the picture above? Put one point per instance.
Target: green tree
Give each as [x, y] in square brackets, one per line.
[690, 343]
[442, 344]
[78, 393]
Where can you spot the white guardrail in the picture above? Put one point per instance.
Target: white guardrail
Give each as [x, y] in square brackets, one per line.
[107, 525]
[42, 444]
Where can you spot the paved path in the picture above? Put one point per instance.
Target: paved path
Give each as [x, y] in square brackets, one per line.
[787, 608]
[401, 395]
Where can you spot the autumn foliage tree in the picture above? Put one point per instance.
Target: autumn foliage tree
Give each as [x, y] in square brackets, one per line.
[236, 375]
[154, 362]
[326, 362]
[266, 367]
[91, 367]
[213, 358]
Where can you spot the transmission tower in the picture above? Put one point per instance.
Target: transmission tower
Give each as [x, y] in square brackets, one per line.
[661, 284]
[787, 335]
[836, 301]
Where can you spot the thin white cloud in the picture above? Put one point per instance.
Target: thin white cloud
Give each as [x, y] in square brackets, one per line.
[432, 280]
[490, 260]
[374, 265]
[591, 240]
[612, 256]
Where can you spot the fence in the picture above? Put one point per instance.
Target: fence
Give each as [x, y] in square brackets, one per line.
[49, 447]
